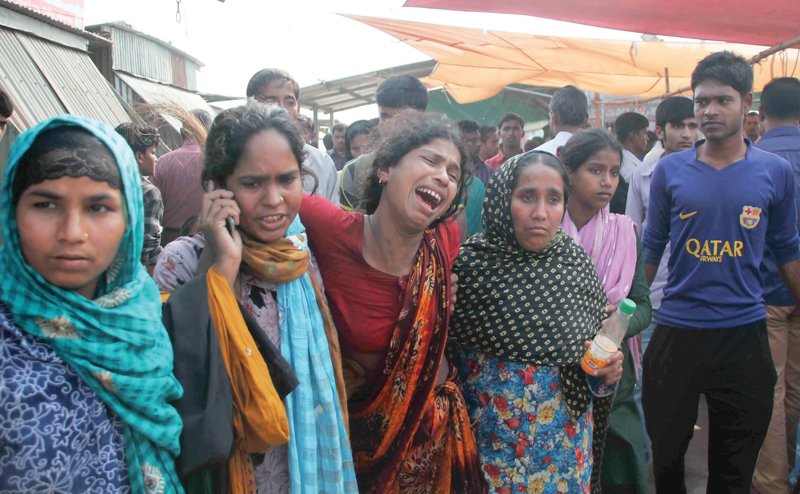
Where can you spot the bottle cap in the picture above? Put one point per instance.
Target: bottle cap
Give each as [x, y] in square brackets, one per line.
[627, 306]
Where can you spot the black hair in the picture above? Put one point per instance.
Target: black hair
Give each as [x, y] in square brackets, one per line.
[265, 76]
[424, 129]
[533, 143]
[674, 110]
[339, 127]
[65, 151]
[306, 121]
[138, 137]
[402, 91]
[485, 130]
[727, 68]
[652, 138]
[186, 227]
[356, 128]
[780, 98]
[571, 106]
[509, 117]
[628, 123]
[202, 117]
[6, 106]
[327, 141]
[546, 159]
[584, 144]
[233, 129]
[468, 126]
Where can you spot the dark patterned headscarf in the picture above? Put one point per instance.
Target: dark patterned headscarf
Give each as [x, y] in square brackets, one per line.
[70, 152]
[531, 307]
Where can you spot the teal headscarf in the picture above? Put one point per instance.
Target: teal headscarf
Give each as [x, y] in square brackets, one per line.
[116, 342]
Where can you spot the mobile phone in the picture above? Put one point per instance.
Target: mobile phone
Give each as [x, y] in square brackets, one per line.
[230, 225]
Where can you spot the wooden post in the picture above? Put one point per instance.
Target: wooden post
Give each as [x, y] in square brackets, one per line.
[598, 118]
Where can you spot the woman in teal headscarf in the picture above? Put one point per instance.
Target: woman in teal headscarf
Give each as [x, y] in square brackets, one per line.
[86, 363]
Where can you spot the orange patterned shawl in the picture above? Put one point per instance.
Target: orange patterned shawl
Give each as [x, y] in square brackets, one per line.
[408, 435]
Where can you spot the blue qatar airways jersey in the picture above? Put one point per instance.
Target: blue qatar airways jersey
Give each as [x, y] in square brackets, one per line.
[718, 222]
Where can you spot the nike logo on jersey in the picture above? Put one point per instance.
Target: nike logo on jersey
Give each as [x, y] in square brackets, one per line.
[684, 216]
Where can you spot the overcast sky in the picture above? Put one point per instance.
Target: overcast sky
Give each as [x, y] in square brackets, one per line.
[308, 38]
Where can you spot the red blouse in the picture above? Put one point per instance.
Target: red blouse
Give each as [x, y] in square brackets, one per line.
[364, 302]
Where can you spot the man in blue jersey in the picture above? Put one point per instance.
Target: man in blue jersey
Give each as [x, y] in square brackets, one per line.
[780, 114]
[718, 204]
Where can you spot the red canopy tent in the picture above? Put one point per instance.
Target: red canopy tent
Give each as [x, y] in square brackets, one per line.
[737, 21]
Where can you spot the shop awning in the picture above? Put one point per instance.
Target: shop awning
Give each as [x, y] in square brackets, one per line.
[153, 93]
[736, 21]
[358, 90]
[474, 64]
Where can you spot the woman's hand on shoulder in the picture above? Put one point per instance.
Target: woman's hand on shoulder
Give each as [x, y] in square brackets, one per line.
[612, 372]
[225, 248]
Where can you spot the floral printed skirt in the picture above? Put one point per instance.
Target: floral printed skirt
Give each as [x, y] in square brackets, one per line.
[527, 441]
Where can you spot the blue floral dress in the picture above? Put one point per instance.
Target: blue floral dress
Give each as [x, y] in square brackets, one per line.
[527, 440]
[56, 435]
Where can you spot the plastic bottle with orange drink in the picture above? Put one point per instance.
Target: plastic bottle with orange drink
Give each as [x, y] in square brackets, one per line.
[609, 338]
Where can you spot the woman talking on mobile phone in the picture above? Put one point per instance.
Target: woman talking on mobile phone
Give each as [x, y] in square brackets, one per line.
[254, 156]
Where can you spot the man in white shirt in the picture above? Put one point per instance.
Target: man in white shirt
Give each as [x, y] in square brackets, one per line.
[569, 112]
[676, 129]
[631, 130]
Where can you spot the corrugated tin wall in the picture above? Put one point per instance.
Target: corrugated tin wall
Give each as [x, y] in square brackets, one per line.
[141, 56]
[145, 58]
[191, 75]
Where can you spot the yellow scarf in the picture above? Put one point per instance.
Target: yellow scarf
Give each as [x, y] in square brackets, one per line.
[259, 417]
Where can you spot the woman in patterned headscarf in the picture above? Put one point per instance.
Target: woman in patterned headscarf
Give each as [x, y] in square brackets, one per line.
[528, 301]
[86, 363]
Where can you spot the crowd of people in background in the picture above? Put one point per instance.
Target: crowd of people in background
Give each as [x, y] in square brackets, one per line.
[407, 310]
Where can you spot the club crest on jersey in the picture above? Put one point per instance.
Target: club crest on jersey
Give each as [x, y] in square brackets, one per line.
[750, 217]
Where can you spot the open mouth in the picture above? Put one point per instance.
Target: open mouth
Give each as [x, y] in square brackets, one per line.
[272, 221]
[429, 198]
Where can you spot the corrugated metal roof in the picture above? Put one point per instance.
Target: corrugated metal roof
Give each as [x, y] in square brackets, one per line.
[358, 90]
[41, 16]
[76, 81]
[153, 92]
[34, 99]
[119, 25]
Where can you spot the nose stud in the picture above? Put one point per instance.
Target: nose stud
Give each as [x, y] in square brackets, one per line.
[282, 199]
[86, 236]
